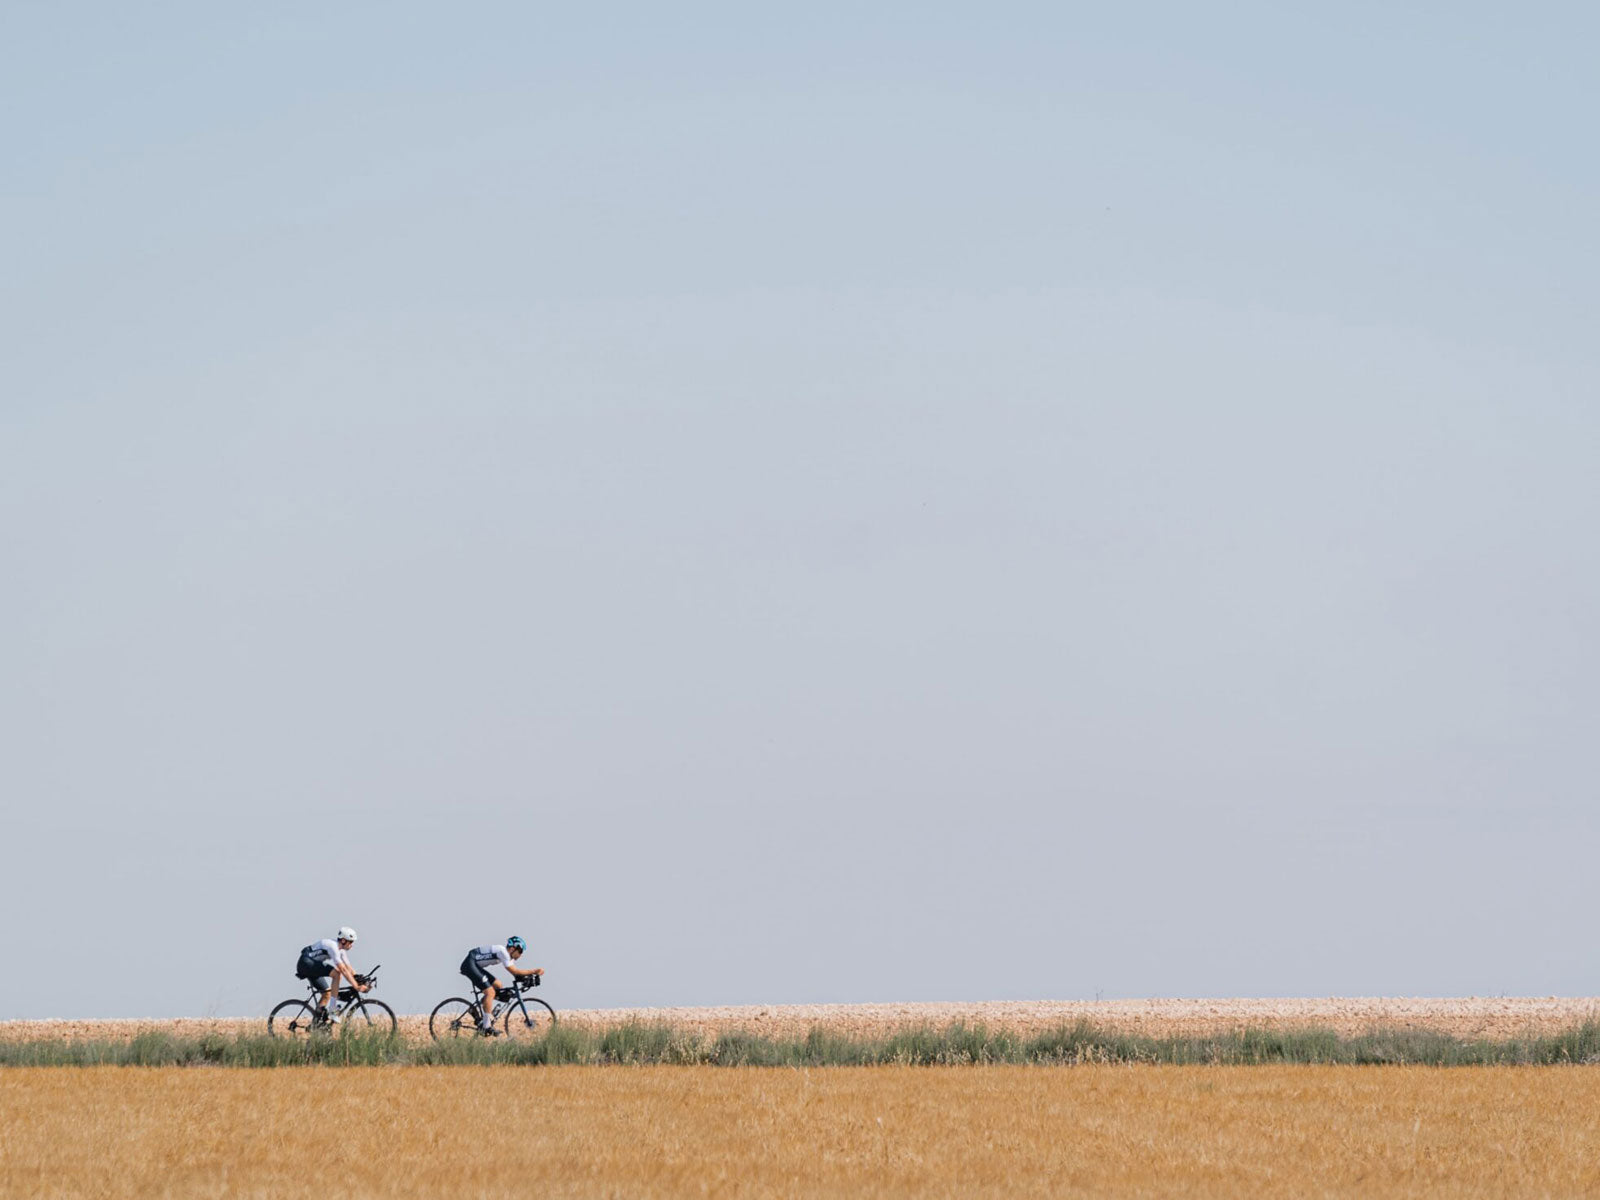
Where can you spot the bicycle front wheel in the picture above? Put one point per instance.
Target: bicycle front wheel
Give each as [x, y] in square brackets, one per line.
[369, 1018]
[529, 1018]
[292, 1019]
[453, 1018]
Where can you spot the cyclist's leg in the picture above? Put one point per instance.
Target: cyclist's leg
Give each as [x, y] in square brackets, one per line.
[488, 1004]
[484, 982]
[316, 973]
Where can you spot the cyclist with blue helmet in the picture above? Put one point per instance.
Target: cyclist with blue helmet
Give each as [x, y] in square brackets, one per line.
[475, 966]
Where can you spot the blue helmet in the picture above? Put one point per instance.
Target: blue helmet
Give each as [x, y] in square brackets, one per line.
[516, 943]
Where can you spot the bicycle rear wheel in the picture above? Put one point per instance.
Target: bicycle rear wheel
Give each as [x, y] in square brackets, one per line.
[529, 1018]
[369, 1018]
[453, 1018]
[293, 1019]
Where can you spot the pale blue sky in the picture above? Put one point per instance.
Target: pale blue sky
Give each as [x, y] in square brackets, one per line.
[942, 502]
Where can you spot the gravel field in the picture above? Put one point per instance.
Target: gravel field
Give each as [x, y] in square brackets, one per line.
[1474, 1016]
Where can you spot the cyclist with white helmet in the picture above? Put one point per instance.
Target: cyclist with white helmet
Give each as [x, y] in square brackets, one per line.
[321, 962]
[475, 967]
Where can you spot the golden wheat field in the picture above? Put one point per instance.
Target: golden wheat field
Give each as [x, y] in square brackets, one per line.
[885, 1131]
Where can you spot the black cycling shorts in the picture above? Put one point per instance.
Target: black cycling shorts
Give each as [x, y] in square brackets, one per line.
[314, 969]
[480, 978]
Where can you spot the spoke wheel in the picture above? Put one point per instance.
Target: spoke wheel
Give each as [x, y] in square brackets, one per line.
[369, 1018]
[453, 1018]
[293, 1019]
[528, 1019]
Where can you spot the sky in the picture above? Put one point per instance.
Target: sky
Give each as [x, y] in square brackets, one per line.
[825, 503]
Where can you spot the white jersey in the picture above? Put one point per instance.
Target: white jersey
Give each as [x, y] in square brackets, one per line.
[327, 951]
[487, 956]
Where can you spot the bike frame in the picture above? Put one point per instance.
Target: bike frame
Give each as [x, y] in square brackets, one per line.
[345, 995]
[500, 1000]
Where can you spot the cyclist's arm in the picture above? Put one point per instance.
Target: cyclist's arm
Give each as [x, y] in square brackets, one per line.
[503, 957]
[344, 969]
[525, 970]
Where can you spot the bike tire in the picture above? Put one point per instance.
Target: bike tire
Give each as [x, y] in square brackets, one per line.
[539, 1018]
[294, 1019]
[369, 1018]
[453, 1018]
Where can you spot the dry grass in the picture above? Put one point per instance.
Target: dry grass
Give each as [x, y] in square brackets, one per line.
[666, 1131]
[1463, 1017]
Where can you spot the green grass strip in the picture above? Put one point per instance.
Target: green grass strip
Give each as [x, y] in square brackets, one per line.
[956, 1044]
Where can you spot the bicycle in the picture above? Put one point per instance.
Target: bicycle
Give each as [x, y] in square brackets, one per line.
[519, 1014]
[359, 1014]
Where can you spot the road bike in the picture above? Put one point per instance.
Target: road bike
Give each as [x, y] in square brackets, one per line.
[517, 1014]
[358, 1014]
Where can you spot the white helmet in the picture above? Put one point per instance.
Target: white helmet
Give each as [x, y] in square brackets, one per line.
[346, 934]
